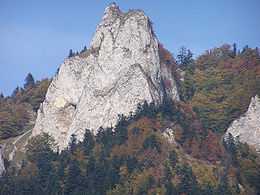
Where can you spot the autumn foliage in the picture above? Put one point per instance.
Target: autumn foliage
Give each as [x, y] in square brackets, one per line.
[136, 156]
[17, 110]
[220, 84]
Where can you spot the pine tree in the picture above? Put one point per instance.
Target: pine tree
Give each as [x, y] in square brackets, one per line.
[15, 91]
[88, 142]
[234, 50]
[29, 81]
[121, 129]
[188, 181]
[39, 149]
[71, 53]
[75, 179]
[184, 58]
[173, 158]
[167, 180]
[113, 173]
[73, 143]
[181, 56]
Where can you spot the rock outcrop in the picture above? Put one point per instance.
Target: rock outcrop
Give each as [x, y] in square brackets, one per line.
[247, 128]
[121, 69]
[2, 166]
[169, 136]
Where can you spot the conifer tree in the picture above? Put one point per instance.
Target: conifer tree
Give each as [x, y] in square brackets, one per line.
[73, 143]
[15, 91]
[184, 58]
[29, 81]
[88, 142]
[234, 50]
[74, 182]
[71, 53]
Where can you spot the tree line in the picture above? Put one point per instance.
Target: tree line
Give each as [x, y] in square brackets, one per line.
[16, 110]
[134, 158]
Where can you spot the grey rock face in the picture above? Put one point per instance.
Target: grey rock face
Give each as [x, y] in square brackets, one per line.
[169, 136]
[2, 166]
[121, 69]
[247, 127]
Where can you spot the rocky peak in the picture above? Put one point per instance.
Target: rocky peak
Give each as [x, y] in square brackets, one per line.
[247, 128]
[121, 69]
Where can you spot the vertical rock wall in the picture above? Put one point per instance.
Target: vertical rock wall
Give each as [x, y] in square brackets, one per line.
[2, 166]
[247, 128]
[121, 69]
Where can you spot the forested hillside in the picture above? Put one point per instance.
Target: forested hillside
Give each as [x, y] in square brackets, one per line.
[171, 148]
[220, 83]
[17, 110]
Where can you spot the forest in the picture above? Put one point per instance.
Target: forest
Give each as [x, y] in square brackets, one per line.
[135, 156]
[17, 110]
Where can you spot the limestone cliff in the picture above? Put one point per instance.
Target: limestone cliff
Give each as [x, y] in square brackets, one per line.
[2, 166]
[247, 127]
[121, 69]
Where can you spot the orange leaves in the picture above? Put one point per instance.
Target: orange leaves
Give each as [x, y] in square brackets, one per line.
[213, 148]
[21, 114]
[167, 59]
[178, 131]
[187, 110]
[124, 175]
[29, 170]
[195, 141]
[16, 111]
[144, 124]
[220, 85]
[195, 149]
[137, 133]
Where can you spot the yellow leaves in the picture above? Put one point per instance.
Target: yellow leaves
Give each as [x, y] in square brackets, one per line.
[249, 162]
[137, 133]
[204, 175]
[124, 175]
[175, 180]
[119, 190]
[221, 86]
[144, 124]
[81, 159]
[143, 183]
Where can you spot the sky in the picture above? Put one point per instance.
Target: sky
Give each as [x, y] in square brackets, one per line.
[36, 35]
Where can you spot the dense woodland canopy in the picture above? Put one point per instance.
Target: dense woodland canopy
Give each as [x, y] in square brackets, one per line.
[17, 110]
[220, 83]
[134, 157]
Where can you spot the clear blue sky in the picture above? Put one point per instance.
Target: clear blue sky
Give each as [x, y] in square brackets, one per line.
[36, 35]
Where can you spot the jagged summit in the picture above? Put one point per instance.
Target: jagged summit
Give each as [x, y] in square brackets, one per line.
[112, 10]
[121, 69]
[113, 19]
